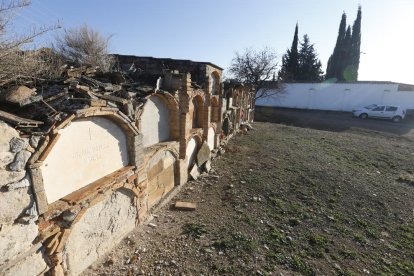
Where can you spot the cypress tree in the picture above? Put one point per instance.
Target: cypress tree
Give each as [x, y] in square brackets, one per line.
[356, 45]
[343, 64]
[290, 61]
[334, 67]
[309, 64]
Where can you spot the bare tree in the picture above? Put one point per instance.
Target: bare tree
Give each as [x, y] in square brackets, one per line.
[85, 47]
[256, 68]
[17, 64]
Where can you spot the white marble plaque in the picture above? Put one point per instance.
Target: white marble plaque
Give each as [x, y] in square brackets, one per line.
[191, 152]
[87, 150]
[155, 122]
[210, 138]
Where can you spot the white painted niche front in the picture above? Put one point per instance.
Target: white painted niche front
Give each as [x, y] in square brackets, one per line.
[87, 150]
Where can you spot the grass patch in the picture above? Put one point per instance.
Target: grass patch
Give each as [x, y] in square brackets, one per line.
[194, 230]
[237, 242]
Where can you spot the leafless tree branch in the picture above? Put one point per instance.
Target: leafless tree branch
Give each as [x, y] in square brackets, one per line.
[256, 68]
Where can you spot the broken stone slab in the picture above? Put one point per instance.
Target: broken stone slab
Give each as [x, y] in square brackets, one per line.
[207, 166]
[185, 206]
[20, 161]
[91, 238]
[195, 172]
[203, 155]
[18, 144]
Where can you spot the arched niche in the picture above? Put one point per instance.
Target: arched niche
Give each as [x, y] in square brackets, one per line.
[215, 112]
[191, 151]
[155, 121]
[215, 83]
[196, 111]
[211, 137]
[84, 151]
[161, 170]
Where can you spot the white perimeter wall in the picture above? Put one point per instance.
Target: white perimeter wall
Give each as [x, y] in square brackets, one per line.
[338, 96]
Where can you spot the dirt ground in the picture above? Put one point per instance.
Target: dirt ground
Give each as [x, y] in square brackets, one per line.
[286, 200]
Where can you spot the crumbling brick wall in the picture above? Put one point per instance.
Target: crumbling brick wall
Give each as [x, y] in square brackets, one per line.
[68, 232]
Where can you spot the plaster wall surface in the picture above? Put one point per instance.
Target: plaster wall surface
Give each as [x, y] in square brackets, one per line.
[210, 138]
[155, 122]
[101, 228]
[87, 150]
[191, 152]
[338, 96]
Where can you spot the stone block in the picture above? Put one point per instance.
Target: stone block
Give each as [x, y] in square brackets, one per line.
[7, 134]
[34, 264]
[25, 182]
[203, 155]
[18, 144]
[16, 240]
[14, 203]
[185, 206]
[20, 161]
[7, 177]
[6, 158]
[34, 141]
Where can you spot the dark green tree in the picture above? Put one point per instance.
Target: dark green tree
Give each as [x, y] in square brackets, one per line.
[309, 64]
[343, 64]
[355, 47]
[289, 70]
[334, 67]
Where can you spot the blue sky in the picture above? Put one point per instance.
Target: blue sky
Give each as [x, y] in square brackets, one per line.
[213, 30]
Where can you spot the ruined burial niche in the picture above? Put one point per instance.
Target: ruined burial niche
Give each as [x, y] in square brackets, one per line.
[87, 150]
[214, 83]
[155, 122]
[226, 126]
[196, 112]
[210, 138]
[191, 152]
[161, 176]
[215, 112]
